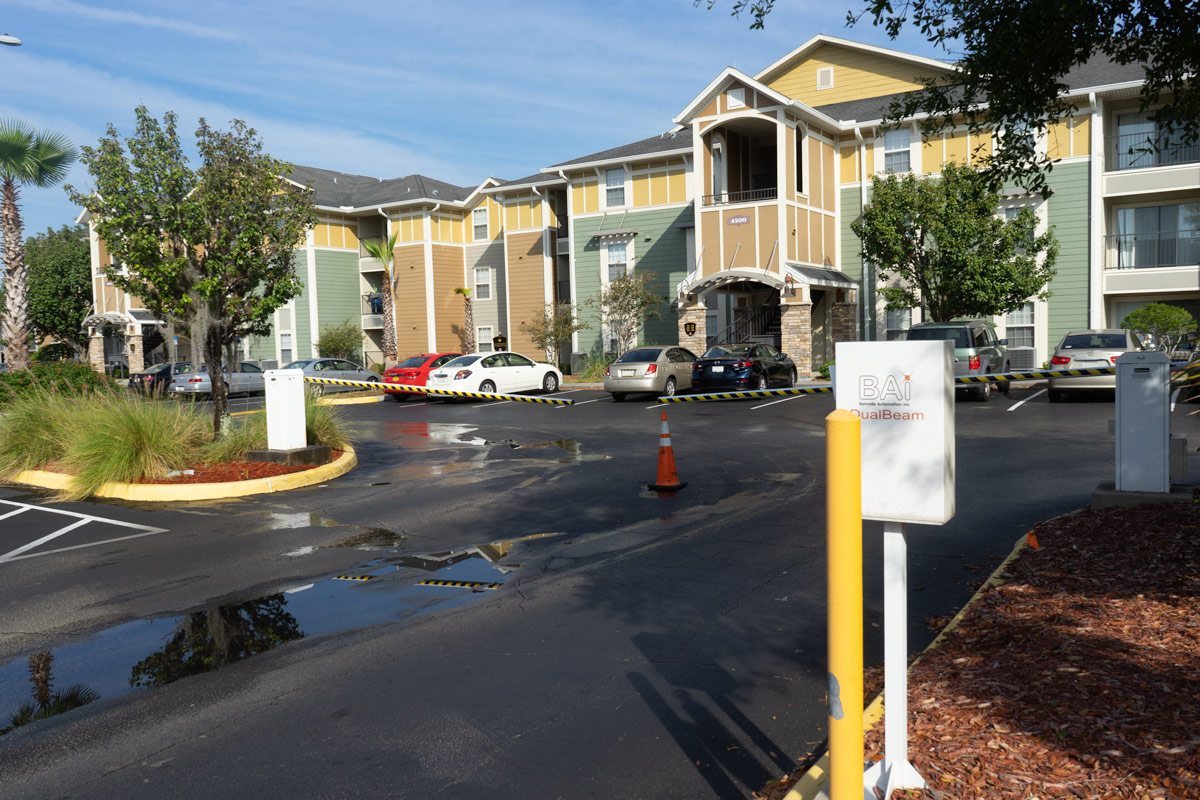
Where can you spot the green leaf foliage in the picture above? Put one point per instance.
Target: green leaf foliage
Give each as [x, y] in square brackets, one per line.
[554, 327]
[343, 340]
[61, 379]
[949, 251]
[1167, 325]
[211, 248]
[60, 284]
[625, 304]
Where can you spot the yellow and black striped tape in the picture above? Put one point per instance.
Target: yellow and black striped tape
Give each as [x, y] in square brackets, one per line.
[686, 398]
[1001, 377]
[520, 398]
[461, 584]
[353, 577]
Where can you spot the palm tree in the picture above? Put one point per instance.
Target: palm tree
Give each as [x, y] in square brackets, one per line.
[468, 320]
[385, 253]
[30, 157]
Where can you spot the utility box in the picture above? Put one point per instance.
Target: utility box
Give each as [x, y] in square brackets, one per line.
[1143, 423]
[286, 428]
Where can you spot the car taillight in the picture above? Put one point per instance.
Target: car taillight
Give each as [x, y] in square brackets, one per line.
[973, 363]
[1060, 361]
[195, 380]
[462, 373]
[607, 372]
[653, 368]
[742, 364]
[696, 366]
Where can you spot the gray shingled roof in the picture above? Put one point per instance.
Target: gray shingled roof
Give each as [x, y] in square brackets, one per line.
[1096, 71]
[677, 140]
[339, 189]
[536, 179]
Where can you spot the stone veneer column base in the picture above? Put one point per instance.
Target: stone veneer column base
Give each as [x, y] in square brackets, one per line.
[96, 352]
[845, 323]
[698, 341]
[135, 354]
[795, 324]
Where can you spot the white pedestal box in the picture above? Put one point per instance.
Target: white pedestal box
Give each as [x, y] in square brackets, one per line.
[286, 428]
[1143, 424]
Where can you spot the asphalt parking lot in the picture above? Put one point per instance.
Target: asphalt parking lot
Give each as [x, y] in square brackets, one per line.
[635, 645]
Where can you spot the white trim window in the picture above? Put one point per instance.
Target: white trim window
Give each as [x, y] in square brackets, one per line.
[1018, 327]
[479, 223]
[483, 339]
[483, 283]
[285, 349]
[897, 151]
[825, 78]
[897, 322]
[614, 184]
[617, 260]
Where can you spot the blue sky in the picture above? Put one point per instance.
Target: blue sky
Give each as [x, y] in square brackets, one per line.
[457, 90]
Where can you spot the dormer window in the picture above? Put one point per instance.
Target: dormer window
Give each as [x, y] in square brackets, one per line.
[737, 98]
[825, 78]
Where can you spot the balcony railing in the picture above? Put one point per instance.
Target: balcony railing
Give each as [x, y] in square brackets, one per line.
[1154, 249]
[1142, 150]
[750, 196]
[362, 247]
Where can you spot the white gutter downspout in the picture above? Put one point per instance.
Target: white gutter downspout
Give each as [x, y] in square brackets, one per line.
[1097, 250]
[430, 309]
[862, 204]
[571, 253]
[547, 257]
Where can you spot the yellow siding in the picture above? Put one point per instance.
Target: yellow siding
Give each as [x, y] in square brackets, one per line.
[585, 196]
[676, 186]
[410, 226]
[931, 155]
[495, 218]
[956, 148]
[321, 234]
[538, 203]
[849, 164]
[1081, 135]
[870, 168]
[351, 233]
[1058, 139]
[856, 75]
[981, 147]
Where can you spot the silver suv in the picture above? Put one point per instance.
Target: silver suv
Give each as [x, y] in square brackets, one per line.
[977, 351]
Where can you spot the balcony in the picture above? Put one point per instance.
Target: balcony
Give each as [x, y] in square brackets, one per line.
[749, 196]
[372, 311]
[1144, 150]
[365, 262]
[1156, 261]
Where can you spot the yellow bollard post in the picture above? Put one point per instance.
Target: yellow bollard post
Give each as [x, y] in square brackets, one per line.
[844, 593]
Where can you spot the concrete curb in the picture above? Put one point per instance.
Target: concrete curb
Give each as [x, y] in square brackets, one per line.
[348, 401]
[812, 783]
[185, 492]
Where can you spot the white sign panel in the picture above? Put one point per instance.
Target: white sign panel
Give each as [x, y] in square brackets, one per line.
[286, 423]
[904, 394]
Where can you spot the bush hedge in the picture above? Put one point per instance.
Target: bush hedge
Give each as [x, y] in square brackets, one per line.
[62, 379]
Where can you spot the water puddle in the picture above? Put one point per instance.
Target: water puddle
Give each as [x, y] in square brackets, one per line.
[153, 652]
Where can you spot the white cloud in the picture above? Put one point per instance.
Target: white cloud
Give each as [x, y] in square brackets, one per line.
[73, 9]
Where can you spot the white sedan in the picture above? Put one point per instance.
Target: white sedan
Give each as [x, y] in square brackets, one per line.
[501, 373]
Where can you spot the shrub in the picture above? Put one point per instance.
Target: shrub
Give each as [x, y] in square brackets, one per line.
[824, 370]
[594, 371]
[35, 430]
[63, 378]
[55, 351]
[249, 433]
[324, 423]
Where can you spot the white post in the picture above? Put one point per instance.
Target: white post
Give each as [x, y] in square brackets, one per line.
[286, 428]
[899, 773]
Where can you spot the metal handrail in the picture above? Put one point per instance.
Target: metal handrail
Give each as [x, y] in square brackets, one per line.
[749, 196]
[1158, 149]
[1153, 249]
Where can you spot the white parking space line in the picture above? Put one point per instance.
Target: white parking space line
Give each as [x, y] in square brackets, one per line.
[1026, 400]
[1174, 397]
[13, 513]
[48, 537]
[79, 521]
[583, 402]
[81, 546]
[784, 400]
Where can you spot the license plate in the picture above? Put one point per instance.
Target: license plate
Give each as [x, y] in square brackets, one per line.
[718, 369]
[626, 373]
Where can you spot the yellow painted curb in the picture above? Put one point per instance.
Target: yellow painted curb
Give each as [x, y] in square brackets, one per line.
[348, 401]
[184, 492]
[813, 781]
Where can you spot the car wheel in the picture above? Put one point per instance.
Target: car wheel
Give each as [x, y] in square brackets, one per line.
[761, 383]
[984, 392]
[487, 387]
[1006, 385]
[550, 382]
[618, 397]
[1056, 395]
[791, 379]
[318, 390]
[399, 398]
[669, 389]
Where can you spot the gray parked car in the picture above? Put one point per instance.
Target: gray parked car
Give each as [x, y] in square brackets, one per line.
[1089, 349]
[663, 370]
[977, 351]
[247, 379]
[336, 368]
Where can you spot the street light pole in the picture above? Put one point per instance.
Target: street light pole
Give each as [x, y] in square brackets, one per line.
[11, 41]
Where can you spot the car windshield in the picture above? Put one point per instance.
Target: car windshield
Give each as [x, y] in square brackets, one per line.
[461, 361]
[158, 368]
[644, 354]
[415, 361]
[956, 335]
[727, 350]
[298, 364]
[1101, 341]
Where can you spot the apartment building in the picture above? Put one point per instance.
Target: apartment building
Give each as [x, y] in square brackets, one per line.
[741, 210]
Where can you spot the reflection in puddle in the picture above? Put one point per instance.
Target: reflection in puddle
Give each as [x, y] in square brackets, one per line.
[153, 652]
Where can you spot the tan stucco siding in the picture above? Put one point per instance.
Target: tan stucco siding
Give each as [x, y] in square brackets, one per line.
[829, 242]
[856, 75]
[828, 178]
[739, 242]
[448, 306]
[815, 173]
[412, 323]
[526, 289]
[800, 253]
[769, 256]
[710, 257]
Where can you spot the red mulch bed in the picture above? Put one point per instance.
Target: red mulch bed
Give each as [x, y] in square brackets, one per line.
[1079, 677]
[236, 471]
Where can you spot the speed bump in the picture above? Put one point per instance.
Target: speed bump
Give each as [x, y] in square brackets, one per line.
[461, 584]
[353, 577]
[520, 398]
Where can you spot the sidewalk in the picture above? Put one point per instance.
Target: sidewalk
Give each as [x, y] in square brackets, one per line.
[1076, 675]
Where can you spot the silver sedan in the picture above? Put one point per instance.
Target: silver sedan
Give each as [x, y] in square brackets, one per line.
[337, 369]
[246, 379]
[1087, 350]
[663, 370]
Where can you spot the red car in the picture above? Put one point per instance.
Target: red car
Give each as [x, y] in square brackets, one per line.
[414, 372]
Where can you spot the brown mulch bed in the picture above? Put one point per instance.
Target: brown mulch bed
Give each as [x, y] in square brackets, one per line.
[1079, 677]
[236, 471]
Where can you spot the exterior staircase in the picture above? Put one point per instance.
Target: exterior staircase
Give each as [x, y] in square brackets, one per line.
[759, 324]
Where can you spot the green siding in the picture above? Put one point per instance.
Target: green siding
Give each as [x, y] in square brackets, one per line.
[660, 247]
[1067, 213]
[301, 335]
[338, 295]
[262, 347]
[852, 265]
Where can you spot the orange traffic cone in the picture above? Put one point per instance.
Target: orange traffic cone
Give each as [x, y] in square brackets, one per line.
[668, 480]
[1031, 540]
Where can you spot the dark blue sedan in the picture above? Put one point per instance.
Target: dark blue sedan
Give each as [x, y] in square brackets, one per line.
[727, 367]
